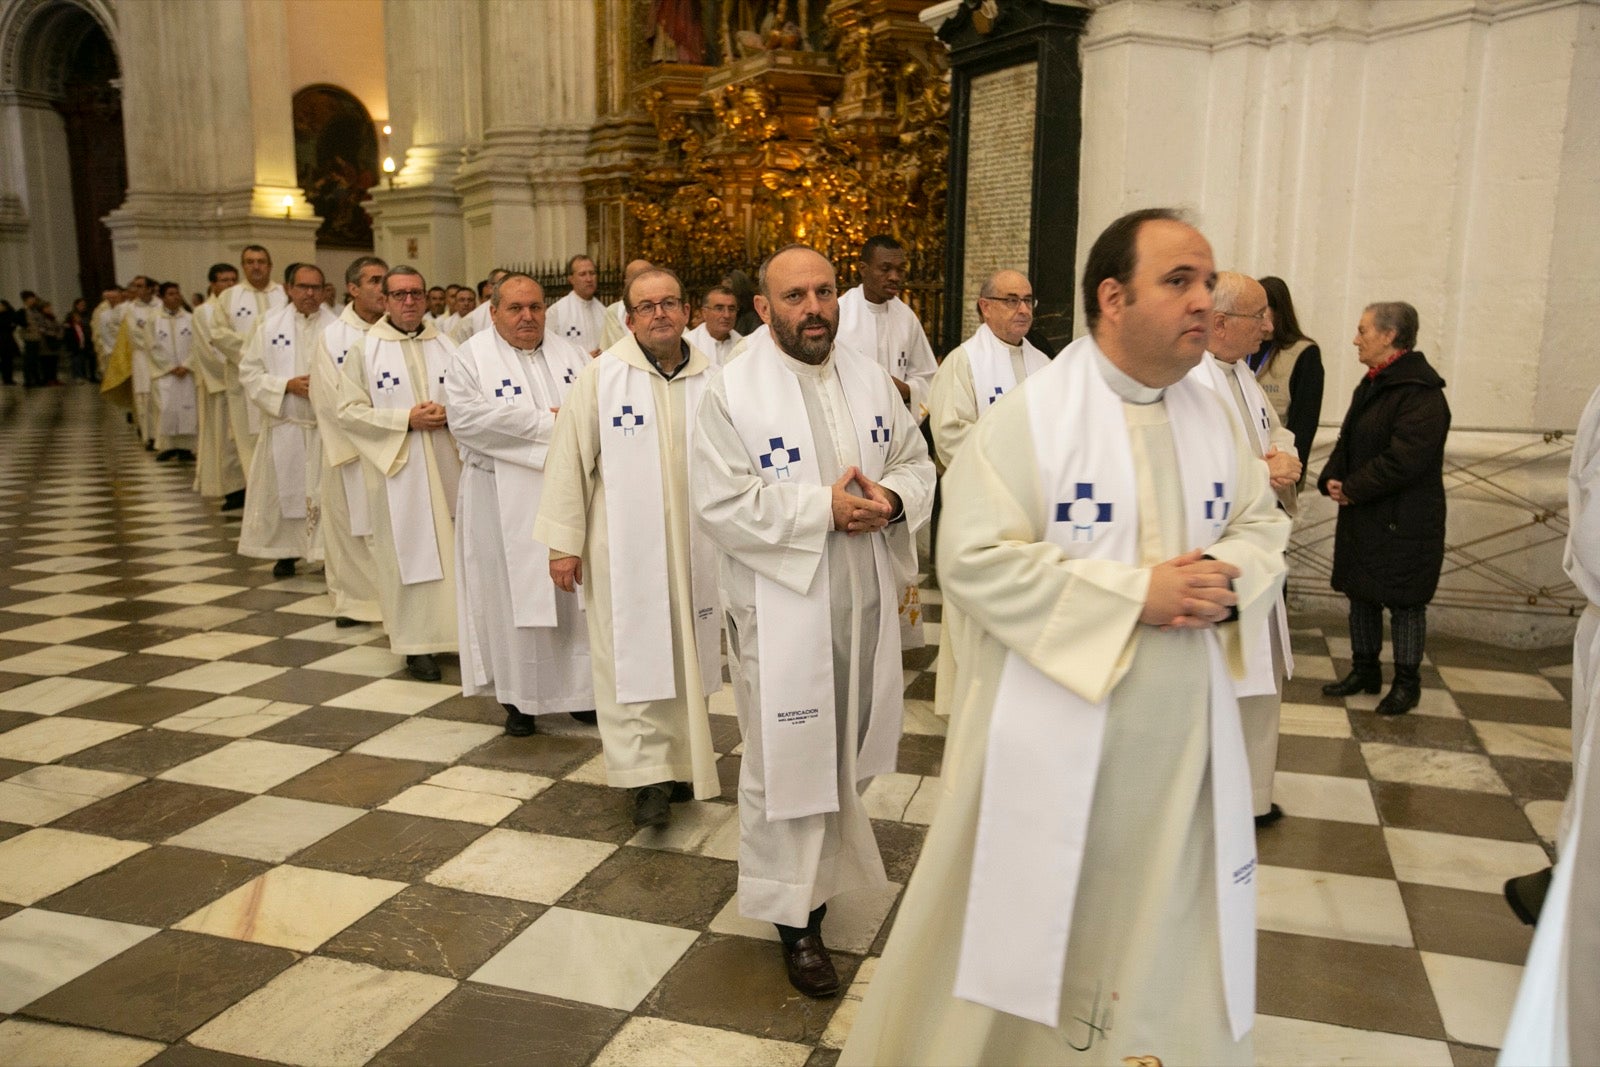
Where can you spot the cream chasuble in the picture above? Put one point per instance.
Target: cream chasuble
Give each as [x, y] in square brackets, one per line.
[281, 510]
[218, 471]
[411, 478]
[810, 611]
[1556, 1019]
[1143, 972]
[522, 640]
[138, 324]
[346, 522]
[953, 405]
[174, 399]
[659, 738]
[243, 306]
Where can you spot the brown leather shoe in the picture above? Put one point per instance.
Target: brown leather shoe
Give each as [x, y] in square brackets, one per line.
[810, 967]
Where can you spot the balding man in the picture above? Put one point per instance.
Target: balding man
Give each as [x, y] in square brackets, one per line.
[1238, 309]
[579, 317]
[811, 477]
[715, 336]
[275, 374]
[988, 364]
[615, 513]
[616, 320]
[522, 639]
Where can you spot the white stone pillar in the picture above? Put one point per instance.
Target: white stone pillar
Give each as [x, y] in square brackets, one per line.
[38, 235]
[418, 219]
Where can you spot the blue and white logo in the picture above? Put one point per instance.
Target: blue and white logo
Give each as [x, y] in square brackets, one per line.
[281, 341]
[1218, 507]
[508, 391]
[627, 420]
[999, 391]
[778, 459]
[388, 381]
[1084, 512]
[880, 433]
[570, 376]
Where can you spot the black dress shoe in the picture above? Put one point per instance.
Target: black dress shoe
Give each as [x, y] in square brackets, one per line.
[284, 568]
[1273, 814]
[424, 668]
[810, 967]
[1364, 677]
[170, 453]
[344, 622]
[652, 805]
[682, 792]
[518, 724]
[233, 501]
[587, 717]
[1405, 694]
[1526, 892]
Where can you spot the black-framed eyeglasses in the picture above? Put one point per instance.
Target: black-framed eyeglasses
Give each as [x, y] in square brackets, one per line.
[648, 309]
[1260, 316]
[1013, 302]
[406, 295]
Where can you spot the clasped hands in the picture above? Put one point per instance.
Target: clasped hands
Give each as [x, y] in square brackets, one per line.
[428, 416]
[1189, 592]
[300, 386]
[854, 514]
[1283, 468]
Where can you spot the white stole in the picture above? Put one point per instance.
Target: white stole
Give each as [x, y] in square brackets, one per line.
[636, 517]
[1260, 678]
[245, 306]
[180, 413]
[992, 373]
[410, 498]
[504, 378]
[339, 338]
[1045, 741]
[282, 355]
[794, 626]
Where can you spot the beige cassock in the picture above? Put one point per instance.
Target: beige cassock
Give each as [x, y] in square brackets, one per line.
[346, 522]
[1259, 710]
[647, 741]
[420, 613]
[218, 471]
[243, 307]
[281, 510]
[138, 319]
[782, 532]
[173, 398]
[953, 410]
[522, 640]
[474, 322]
[1556, 1019]
[104, 321]
[1143, 963]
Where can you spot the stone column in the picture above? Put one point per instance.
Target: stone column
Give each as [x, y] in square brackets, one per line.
[208, 126]
[623, 133]
[38, 241]
[418, 220]
[566, 91]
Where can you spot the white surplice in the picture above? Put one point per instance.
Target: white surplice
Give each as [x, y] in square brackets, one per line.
[1143, 966]
[891, 335]
[218, 471]
[281, 509]
[718, 352]
[773, 529]
[577, 320]
[138, 319]
[243, 307]
[953, 406]
[645, 741]
[174, 400]
[415, 470]
[522, 639]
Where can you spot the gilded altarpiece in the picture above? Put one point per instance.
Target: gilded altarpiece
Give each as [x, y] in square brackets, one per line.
[823, 125]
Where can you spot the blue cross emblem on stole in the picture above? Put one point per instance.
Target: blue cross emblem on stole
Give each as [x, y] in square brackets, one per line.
[244, 311]
[999, 391]
[880, 433]
[574, 331]
[388, 381]
[507, 391]
[1083, 511]
[280, 341]
[1218, 507]
[1266, 424]
[570, 376]
[778, 460]
[627, 420]
[343, 352]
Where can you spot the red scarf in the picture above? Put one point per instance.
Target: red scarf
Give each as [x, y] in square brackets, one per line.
[1375, 371]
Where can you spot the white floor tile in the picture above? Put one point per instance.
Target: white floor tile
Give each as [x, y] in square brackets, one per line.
[588, 957]
[59, 659]
[458, 804]
[267, 828]
[232, 716]
[291, 907]
[219, 677]
[41, 795]
[429, 740]
[49, 696]
[60, 631]
[1525, 741]
[1313, 720]
[396, 696]
[1479, 864]
[200, 617]
[44, 950]
[191, 593]
[693, 824]
[1498, 683]
[47, 740]
[1321, 796]
[212, 646]
[372, 662]
[1474, 996]
[1342, 907]
[534, 867]
[647, 1042]
[25, 1043]
[1432, 766]
[1545, 817]
[37, 863]
[248, 766]
[1298, 1043]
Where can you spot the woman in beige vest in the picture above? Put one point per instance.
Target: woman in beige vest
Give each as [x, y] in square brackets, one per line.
[1288, 367]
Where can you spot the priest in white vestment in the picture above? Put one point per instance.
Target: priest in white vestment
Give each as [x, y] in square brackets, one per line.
[103, 323]
[1556, 1020]
[522, 640]
[134, 334]
[1100, 531]
[875, 322]
[478, 320]
[715, 336]
[172, 382]
[811, 477]
[579, 317]
[615, 513]
[280, 512]
[344, 520]
[1239, 305]
[218, 472]
[392, 410]
[243, 308]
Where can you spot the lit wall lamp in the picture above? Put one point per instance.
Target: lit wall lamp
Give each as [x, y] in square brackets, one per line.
[288, 206]
[388, 168]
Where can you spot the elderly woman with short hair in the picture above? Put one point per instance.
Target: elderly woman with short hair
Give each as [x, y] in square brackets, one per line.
[1386, 474]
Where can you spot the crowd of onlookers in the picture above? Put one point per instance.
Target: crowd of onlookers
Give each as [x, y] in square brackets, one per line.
[35, 336]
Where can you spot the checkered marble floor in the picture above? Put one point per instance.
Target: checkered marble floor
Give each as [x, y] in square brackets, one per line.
[231, 833]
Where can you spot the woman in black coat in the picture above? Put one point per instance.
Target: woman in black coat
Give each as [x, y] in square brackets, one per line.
[1386, 474]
